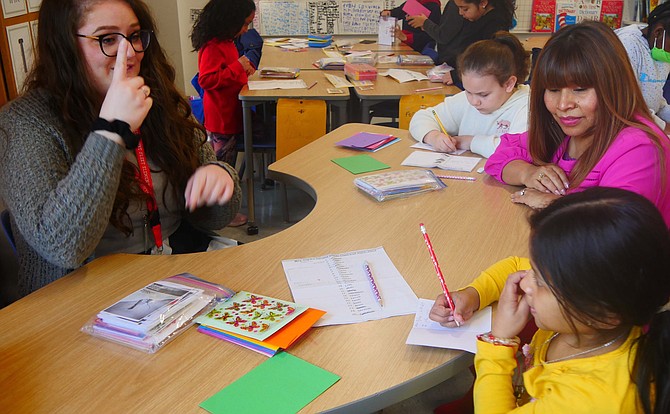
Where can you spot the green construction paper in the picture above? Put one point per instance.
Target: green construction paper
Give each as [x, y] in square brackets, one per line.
[358, 164]
[282, 384]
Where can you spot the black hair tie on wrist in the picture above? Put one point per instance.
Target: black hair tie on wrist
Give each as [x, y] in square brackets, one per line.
[118, 127]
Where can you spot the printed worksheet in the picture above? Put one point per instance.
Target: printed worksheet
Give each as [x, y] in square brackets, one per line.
[428, 147]
[404, 75]
[339, 285]
[277, 84]
[427, 332]
[440, 160]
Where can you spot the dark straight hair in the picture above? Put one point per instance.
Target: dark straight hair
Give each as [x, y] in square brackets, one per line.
[588, 55]
[605, 252]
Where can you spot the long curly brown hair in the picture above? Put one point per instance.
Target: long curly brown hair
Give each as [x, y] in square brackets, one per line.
[171, 137]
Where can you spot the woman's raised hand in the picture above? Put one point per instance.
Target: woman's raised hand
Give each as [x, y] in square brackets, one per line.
[128, 97]
[209, 185]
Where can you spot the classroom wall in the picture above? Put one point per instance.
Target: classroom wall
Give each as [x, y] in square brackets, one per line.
[174, 21]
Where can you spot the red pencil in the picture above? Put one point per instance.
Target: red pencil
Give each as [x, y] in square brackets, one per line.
[437, 268]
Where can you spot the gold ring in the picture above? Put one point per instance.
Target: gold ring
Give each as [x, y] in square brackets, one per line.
[541, 176]
[523, 192]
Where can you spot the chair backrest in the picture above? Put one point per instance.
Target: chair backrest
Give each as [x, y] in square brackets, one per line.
[299, 122]
[410, 104]
[7, 228]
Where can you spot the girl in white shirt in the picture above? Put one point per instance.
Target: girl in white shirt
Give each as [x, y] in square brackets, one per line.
[493, 101]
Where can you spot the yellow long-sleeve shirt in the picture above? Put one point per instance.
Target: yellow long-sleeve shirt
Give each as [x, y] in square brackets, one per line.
[598, 384]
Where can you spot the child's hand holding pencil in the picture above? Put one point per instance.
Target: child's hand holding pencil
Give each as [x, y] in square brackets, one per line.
[440, 140]
[466, 303]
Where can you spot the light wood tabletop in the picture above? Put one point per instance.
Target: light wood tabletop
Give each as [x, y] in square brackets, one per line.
[304, 58]
[301, 58]
[48, 365]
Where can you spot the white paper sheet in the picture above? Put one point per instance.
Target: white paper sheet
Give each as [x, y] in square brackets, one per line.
[338, 81]
[277, 84]
[440, 160]
[430, 333]
[386, 30]
[428, 147]
[404, 75]
[338, 284]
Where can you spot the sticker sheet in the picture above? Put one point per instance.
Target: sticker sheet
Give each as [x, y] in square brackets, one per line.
[252, 315]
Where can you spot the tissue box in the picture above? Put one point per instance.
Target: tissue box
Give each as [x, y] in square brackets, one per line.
[360, 71]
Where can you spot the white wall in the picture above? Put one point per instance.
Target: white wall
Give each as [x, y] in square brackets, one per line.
[173, 20]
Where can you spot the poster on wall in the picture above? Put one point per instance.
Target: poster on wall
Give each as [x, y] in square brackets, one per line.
[611, 13]
[34, 5]
[551, 15]
[543, 16]
[566, 13]
[12, 8]
[21, 51]
[588, 10]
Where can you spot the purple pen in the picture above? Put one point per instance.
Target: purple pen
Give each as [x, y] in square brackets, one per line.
[373, 285]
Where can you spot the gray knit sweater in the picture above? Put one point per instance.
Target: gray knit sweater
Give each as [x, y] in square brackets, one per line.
[61, 202]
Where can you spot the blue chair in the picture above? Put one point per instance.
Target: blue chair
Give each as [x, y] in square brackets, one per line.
[7, 228]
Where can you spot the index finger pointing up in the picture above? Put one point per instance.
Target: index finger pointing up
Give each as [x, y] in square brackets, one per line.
[120, 66]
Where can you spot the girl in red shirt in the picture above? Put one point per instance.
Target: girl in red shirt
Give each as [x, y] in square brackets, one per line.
[222, 71]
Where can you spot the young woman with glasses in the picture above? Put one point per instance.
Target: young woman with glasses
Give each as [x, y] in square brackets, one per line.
[100, 153]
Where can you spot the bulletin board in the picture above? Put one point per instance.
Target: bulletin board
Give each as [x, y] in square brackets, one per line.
[303, 17]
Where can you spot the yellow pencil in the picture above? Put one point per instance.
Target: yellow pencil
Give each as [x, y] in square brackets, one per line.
[444, 131]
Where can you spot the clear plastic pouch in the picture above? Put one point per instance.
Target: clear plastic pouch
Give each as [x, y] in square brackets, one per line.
[436, 73]
[150, 317]
[415, 60]
[396, 184]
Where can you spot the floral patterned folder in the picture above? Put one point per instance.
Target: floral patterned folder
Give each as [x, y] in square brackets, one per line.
[254, 316]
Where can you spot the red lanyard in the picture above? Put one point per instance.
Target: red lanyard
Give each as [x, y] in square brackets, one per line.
[146, 184]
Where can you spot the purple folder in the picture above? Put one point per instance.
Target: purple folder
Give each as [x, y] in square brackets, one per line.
[362, 140]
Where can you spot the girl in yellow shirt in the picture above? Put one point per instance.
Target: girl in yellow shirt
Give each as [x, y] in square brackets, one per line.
[598, 274]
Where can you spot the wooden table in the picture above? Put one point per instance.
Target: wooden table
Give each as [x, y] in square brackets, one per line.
[250, 98]
[396, 47]
[48, 365]
[304, 58]
[388, 89]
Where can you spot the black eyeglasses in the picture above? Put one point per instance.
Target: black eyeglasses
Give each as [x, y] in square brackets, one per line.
[109, 43]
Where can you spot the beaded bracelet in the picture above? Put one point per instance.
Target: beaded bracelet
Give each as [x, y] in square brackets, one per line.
[489, 338]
